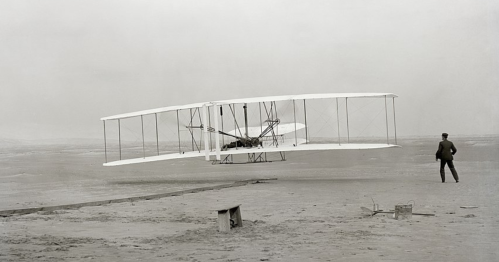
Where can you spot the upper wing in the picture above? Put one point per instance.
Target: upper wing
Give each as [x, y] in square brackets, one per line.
[250, 100]
[152, 111]
[304, 96]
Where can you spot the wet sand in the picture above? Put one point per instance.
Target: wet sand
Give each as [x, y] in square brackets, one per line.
[310, 213]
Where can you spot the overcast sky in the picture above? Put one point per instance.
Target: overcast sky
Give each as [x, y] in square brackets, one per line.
[65, 64]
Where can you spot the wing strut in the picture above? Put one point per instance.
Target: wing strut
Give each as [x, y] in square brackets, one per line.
[236, 127]
[348, 129]
[222, 120]
[261, 123]
[205, 133]
[294, 116]
[157, 137]
[178, 134]
[394, 123]
[306, 126]
[105, 143]
[209, 124]
[190, 124]
[386, 121]
[276, 117]
[338, 120]
[217, 136]
[119, 135]
[245, 107]
[143, 142]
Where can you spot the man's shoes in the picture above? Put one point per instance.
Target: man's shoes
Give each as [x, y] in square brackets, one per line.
[457, 181]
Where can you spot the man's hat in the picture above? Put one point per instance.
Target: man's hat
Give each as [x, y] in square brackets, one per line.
[445, 135]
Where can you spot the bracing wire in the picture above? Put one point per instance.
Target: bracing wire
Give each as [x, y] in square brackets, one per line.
[370, 122]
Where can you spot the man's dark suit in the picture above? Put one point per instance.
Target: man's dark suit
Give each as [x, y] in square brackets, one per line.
[446, 150]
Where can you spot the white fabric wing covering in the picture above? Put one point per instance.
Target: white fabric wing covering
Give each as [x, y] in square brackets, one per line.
[251, 100]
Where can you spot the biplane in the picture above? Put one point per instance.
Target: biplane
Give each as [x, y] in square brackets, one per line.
[252, 127]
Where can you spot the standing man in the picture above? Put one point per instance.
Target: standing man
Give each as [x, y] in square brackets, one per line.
[446, 156]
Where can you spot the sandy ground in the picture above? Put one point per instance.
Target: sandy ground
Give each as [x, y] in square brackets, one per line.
[310, 213]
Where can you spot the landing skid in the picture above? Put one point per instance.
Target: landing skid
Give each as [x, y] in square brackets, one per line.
[252, 158]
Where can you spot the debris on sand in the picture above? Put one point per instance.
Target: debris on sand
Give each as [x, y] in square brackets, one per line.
[374, 212]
